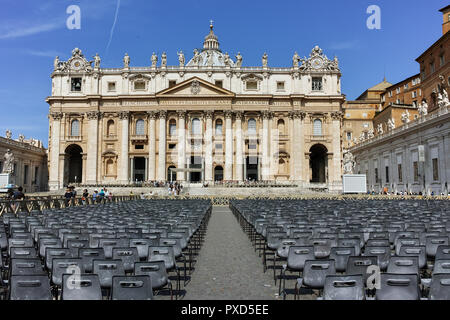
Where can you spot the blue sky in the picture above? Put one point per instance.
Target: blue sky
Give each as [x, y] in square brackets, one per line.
[33, 32]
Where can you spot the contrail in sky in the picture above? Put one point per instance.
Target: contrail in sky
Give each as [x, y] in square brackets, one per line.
[113, 26]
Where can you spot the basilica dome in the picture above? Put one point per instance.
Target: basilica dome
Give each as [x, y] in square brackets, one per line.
[210, 55]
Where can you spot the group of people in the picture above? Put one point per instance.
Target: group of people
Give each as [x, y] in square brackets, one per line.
[175, 188]
[15, 195]
[97, 197]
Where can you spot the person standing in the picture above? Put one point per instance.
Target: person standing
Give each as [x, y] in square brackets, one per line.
[85, 196]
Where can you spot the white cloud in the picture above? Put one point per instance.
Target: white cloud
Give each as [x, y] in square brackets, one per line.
[29, 30]
[39, 53]
[344, 45]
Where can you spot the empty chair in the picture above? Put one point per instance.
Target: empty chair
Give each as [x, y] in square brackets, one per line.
[349, 287]
[441, 266]
[142, 246]
[109, 244]
[340, 255]
[48, 243]
[440, 287]
[76, 245]
[23, 253]
[442, 252]
[405, 242]
[88, 255]
[432, 244]
[53, 253]
[106, 270]
[398, 287]
[20, 243]
[378, 243]
[296, 259]
[166, 254]
[62, 266]
[314, 274]
[82, 287]
[403, 265]
[156, 270]
[129, 257]
[351, 243]
[132, 288]
[32, 287]
[359, 265]
[382, 253]
[415, 251]
[322, 247]
[26, 267]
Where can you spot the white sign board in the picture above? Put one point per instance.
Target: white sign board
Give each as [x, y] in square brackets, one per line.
[355, 183]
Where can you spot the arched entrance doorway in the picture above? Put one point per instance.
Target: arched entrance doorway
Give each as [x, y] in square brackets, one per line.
[318, 163]
[218, 173]
[73, 164]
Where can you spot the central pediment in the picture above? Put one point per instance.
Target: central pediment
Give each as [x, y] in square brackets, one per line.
[195, 88]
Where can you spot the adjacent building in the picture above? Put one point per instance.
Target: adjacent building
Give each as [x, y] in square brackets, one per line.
[30, 162]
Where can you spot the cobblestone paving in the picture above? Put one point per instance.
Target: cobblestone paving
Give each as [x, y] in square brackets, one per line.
[228, 266]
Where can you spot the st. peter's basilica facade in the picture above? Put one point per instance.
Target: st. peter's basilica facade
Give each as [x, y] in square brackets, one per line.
[210, 119]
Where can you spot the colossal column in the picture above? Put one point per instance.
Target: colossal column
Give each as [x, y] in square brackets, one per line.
[152, 146]
[162, 146]
[239, 147]
[124, 162]
[265, 146]
[298, 141]
[92, 147]
[54, 153]
[336, 134]
[228, 145]
[209, 114]
[181, 144]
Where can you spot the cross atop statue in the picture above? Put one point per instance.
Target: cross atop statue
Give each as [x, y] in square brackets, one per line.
[211, 23]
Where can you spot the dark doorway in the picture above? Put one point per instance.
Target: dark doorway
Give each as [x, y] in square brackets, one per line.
[318, 163]
[73, 164]
[251, 165]
[139, 169]
[218, 173]
[196, 163]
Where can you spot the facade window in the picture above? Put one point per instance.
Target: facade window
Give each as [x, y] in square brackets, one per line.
[406, 86]
[139, 85]
[252, 126]
[218, 146]
[414, 94]
[400, 174]
[317, 127]
[349, 136]
[399, 90]
[376, 175]
[435, 164]
[387, 174]
[423, 73]
[252, 146]
[416, 171]
[36, 174]
[140, 127]
[172, 83]
[75, 84]
[219, 127]
[196, 128]
[316, 84]
[110, 128]
[172, 146]
[172, 127]
[441, 60]
[219, 83]
[1, 166]
[25, 174]
[397, 101]
[414, 103]
[75, 128]
[251, 85]
[432, 68]
[139, 147]
[111, 86]
[390, 94]
[281, 127]
[280, 85]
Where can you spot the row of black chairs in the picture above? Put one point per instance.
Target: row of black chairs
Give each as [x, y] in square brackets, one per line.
[386, 249]
[113, 251]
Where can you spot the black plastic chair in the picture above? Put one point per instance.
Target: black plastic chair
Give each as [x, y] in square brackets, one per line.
[398, 287]
[158, 274]
[349, 287]
[81, 287]
[30, 288]
[131, 288]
